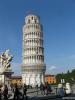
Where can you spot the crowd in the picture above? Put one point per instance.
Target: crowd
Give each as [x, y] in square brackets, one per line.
[61, 90]
[45, 89]
[17, 95]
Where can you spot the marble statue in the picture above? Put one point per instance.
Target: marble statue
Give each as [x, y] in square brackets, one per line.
[5, 59]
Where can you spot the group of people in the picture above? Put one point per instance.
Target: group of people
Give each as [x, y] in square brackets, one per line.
[4, 91]
[20, 92]
[64, 90]
[45, 88]
[17, 95]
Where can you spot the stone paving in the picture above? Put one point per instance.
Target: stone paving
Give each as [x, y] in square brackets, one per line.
[33, 94]
[52, 96]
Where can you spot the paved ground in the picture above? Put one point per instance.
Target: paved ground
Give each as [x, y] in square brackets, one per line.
[69, 97]
[35, 92]
[53, 96]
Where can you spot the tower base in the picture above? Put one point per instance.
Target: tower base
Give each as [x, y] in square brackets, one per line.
[33, 79]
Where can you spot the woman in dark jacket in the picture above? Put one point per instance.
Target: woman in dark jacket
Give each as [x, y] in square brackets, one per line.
[5, 92]
[16, 93]
[24, 90]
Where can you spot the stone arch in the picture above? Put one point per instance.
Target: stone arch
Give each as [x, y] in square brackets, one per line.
[29, 21]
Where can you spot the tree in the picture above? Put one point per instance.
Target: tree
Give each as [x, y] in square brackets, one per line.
[68, 77]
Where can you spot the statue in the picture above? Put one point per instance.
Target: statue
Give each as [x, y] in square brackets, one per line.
[5, 59]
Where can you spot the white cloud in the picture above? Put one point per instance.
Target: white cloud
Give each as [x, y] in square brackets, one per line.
[51, 70]
[52, 67]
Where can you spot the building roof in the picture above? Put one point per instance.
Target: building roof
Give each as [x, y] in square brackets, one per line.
[16, 77]
[49, 75]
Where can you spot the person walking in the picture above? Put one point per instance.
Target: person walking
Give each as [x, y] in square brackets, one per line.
[60, 90]
[68, 89]
[37, 88]
[42, 88]
[48, 88]
[24, 91]
[5, 92]
[16, 92]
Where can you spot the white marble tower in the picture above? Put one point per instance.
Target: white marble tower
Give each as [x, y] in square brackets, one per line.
[33, 67]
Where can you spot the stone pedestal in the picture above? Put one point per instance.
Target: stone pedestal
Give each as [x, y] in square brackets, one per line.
[5, 78]
[1, 79]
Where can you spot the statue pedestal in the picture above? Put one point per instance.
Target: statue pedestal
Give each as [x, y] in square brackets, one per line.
[1, 79]
[5, 78]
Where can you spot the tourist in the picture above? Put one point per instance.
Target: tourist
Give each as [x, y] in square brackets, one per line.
[48, 88]
[37, 88]
[68, 89]
[5, 92]
[24, 90]
[42, 88]
[16, 92]
[60, 90]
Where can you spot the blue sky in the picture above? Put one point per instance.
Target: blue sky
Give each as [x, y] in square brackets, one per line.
[58, 19]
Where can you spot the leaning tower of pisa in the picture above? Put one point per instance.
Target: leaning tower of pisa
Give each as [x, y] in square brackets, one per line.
[33, 67]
